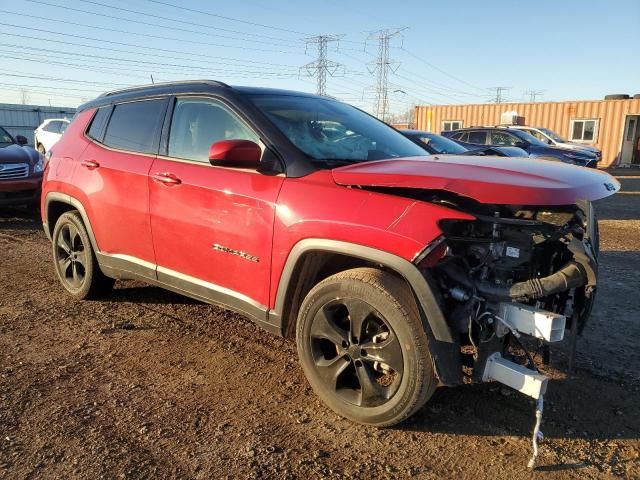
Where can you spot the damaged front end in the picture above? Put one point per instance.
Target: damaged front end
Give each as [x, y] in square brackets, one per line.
[514, 271]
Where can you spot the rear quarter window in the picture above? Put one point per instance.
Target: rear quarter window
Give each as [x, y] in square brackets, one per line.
[135, 126]
[96, 128]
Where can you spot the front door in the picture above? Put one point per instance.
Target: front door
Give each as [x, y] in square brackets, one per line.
[629, 152]
[212, 226]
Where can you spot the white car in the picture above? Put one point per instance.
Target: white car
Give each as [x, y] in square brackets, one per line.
[48, 133]
[552, 138]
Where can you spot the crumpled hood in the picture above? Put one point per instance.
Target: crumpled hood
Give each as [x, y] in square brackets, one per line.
[497, 180]
[18, 154]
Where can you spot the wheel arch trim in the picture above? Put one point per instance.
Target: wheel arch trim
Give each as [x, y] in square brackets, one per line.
[419, 285]
[75, 203]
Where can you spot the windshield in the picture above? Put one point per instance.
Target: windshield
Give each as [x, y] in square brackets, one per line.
[553, 135]
[440, 144]
[5, 138]
[334, 133]
[528, 138]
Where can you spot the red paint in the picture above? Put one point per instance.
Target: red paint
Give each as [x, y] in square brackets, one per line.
[173, 213]
[499, 180]
[215, 205]
[239, 153]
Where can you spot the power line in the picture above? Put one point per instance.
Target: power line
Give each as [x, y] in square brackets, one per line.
[94, 39]
[232, 19]
[383, 65]
[147, 35]
[158, 25]
[322, 66]
[84, 45]
[431, 65]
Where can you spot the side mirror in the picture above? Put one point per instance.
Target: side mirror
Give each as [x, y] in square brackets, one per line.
[235, 153]
[521, 144]
[21, 140]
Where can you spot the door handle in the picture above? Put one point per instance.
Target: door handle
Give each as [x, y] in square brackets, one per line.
[90, 164]
[166, 178]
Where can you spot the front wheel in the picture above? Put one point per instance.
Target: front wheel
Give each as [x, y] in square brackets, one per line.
[363, 348]
[41, 149]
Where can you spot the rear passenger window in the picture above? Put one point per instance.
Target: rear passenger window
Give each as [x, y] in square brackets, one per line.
[199, 122]
[479, 138]
[96, 129]
[52, 127]
[134, 126]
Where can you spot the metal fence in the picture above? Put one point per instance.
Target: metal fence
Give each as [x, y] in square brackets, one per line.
[24, 119]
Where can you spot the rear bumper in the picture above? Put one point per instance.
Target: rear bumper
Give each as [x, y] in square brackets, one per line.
[17, 192]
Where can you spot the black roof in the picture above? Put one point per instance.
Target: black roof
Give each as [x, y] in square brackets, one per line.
[182, 87]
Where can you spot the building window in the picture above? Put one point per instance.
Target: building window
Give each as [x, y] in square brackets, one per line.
[449, 125]
[584, 130]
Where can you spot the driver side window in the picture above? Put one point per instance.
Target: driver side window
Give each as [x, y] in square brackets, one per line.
[503, 139]
[199, 122]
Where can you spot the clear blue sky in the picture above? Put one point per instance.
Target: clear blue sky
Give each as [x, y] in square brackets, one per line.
[450, 52]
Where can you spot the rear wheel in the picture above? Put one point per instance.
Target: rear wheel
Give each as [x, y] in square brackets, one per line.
[74, 260]
[363, 348]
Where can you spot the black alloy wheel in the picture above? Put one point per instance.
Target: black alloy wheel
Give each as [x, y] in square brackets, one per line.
[363, 347]
[356, 352]
[71, 256]
[75, 261]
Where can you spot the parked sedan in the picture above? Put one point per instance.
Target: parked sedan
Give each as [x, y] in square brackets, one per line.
[21, 170]
[48, 133]
[437, 144]
[503, 137]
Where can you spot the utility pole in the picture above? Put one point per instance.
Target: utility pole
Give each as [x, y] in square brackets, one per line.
[533, 94]
[381, 67]
[320, 67]
[499, 98]
[25, 98]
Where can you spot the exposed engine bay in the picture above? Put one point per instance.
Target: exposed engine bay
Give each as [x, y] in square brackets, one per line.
[541, 258]
[514, 271]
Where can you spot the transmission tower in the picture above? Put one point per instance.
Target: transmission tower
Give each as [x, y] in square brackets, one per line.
[533, 94]
[381, 67]
[320, 67]
[499, 97]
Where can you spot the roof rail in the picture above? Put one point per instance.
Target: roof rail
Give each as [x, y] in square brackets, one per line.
[165, 84]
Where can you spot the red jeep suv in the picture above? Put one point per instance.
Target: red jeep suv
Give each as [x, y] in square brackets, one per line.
[395, 272]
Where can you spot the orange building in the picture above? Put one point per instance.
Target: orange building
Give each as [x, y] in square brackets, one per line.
[611, 125]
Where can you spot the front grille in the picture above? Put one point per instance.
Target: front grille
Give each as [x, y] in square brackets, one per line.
[11, 171]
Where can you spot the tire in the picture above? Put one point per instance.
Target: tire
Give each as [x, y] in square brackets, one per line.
[41, 149]
[75, 261]
[339, 355]
[617, 96]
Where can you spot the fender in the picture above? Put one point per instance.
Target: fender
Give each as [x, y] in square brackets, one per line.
[75, 203]
[444, 349]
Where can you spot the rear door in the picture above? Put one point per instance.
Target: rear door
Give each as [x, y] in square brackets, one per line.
[212, 226]
[113, 174]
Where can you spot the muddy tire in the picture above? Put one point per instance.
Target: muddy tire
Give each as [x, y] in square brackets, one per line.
[363, 348]
[74, 260]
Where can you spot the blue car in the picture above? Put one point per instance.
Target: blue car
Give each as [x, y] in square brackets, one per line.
[477, 137]
[438, 145]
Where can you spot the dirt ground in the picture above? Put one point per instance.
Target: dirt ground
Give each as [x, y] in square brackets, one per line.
[148, 384]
